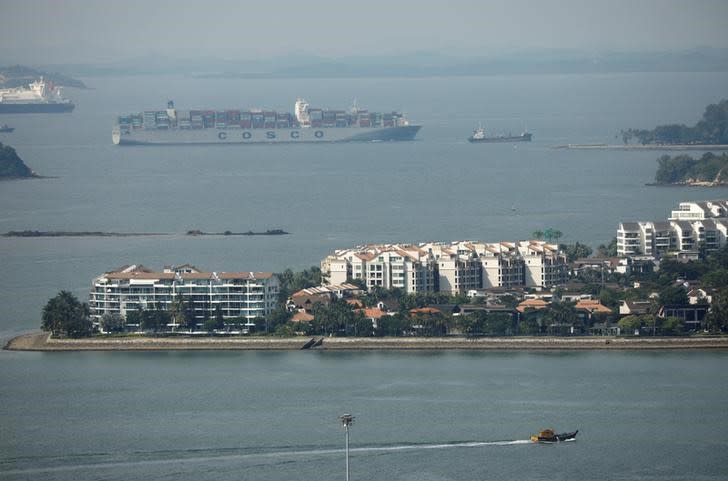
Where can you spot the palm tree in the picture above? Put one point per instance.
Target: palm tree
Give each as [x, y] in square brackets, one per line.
[65, 314]
[537, 234]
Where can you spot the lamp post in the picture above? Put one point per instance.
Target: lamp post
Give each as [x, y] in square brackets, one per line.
[347, 420]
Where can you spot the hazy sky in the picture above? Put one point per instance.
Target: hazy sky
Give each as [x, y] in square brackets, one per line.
[42, 31]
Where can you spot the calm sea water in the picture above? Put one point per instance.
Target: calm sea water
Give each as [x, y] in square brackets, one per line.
[273, 415]
[419, 416]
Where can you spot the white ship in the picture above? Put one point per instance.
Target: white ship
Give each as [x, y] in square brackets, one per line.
[306, 124]
[39, 97]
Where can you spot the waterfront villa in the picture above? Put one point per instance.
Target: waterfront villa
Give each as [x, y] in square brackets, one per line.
[247, 295]
[454, 267]
[694, 225]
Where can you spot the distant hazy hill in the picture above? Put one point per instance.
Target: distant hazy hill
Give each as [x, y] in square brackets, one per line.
[12, 166]
[20, 76]
[417, 64]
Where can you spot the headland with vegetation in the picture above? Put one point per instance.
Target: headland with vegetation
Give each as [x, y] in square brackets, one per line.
[712, 129]
[710, 170]
[12, 166]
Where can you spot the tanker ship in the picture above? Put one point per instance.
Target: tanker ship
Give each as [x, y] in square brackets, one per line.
[306, 124]
[39, 98]
[479, 135]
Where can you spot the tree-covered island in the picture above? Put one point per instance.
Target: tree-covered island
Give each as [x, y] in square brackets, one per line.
[710, 170]
[12, 166]
[711, 130]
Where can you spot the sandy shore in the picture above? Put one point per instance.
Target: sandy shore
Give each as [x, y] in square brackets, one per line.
[42, 342]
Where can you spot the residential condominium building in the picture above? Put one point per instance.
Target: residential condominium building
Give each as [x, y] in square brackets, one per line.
[700, 210]
[693, 226]
[455, 267]
[238, 294]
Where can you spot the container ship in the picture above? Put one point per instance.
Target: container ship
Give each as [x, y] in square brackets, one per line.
[306, 124]
[39, 98]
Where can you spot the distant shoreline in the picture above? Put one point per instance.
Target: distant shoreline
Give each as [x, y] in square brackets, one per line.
[641, 147]
[192, 233]
[40, 341]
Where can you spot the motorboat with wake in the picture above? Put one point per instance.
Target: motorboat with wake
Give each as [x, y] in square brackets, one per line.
[549, 436]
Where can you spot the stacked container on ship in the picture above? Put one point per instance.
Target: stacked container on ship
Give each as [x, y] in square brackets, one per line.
[305, 124]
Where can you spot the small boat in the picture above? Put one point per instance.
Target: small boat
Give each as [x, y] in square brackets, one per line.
[549, 436]
[6, 128]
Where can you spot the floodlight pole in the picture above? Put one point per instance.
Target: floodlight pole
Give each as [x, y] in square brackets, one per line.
[347, 420]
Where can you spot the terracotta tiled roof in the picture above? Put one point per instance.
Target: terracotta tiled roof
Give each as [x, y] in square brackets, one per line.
[302, 316]
[425, 310]
[372, 312]
[592, 306]
[532, 304]
[355, 302]
[365, 256]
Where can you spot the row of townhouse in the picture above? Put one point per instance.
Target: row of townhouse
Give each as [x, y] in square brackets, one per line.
[693, 226]
[455, 267]
[235, 294]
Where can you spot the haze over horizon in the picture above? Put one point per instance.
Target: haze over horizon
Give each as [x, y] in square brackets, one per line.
[82, 31]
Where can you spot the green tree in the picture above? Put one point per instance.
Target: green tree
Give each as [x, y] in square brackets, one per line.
[473, 324]
[537, 234]
[716, 278]
[674, 296]
[155, 319]
[717, 319]
[112, 322]
[135, 317]
[432, 324]
[182, 312]
[530, 322]
[360, 326]
[671, 326]
[630, 324]
[64, 314]
[336, 318]
[291, 282]
[609, 250]
[396, 325]
[499, 323]
[552, 234]
[286, 330]
[576, 251]
[277, 317]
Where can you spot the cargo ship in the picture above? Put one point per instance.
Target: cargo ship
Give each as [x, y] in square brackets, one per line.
[479, 135]
[305, 124]
[39, 98]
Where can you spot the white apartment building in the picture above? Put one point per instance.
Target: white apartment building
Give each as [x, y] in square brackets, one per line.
[238, 294]
[455, 267]
[700, 210]
[403, 266]
[693, 225]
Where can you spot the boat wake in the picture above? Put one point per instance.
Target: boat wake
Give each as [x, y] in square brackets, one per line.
[166, 458]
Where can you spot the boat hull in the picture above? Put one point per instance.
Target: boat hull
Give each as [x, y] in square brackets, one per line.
[487, 140]
[554, 438]
[35, 108]
[262, 136]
